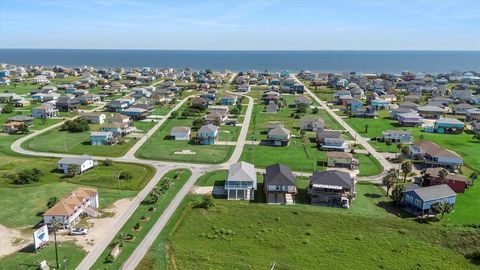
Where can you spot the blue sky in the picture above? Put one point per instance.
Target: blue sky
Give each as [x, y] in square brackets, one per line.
[241, 25]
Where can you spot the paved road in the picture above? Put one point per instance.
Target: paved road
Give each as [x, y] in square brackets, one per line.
[385, 163]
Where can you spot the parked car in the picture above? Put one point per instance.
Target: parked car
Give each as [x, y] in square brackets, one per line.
[78, 231]
[345, 203]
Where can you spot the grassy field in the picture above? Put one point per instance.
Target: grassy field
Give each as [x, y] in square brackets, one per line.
[179, 177]
[212, 178]
[160, 147]
[29, 260]
[368, 165]
[242, 235]
[76, 143]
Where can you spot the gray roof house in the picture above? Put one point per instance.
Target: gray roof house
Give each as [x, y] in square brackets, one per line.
[279, 136]
[84, 163]
[335, 188]
[279, 184]
[312, 124]
[241, 181]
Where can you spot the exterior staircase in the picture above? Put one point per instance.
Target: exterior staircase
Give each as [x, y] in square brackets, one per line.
[288, 199]
[91, 212]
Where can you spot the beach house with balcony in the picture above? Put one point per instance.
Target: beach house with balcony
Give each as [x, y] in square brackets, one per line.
[241, 181]
[279, 184]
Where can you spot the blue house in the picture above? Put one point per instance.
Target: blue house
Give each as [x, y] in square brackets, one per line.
[284, 74]
[446, 126]
[135, 113]
[228, 100]
[207, 134]
[298, 88]
[4, 73]
[354, 105]
[275, 82]
[380, 103]
[419, 200]
[101, 138]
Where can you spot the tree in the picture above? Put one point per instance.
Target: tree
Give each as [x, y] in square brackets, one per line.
[302, 108]
[366, 129]
[422, 137]
[108, 162]
[441, 208]
[197, 123]
[174, 114]
[125, 175]
[388, 143]
[235, 111]
[406, 151]
[76, 125]
[27, 176]
[315, 110]
[8, 108]
[399, 147]
[443, 173]
[476, 136]
[473, 176]
[23, 129]
[406, 168]
[390, 179]
[51, 202]
[207, 202]
[397, 193]
[73, 169]
[121, 238]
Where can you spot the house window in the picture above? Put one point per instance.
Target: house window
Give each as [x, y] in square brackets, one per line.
[417, 201]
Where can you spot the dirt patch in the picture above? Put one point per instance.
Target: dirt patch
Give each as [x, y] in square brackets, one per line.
[98, 227]
[11, 240]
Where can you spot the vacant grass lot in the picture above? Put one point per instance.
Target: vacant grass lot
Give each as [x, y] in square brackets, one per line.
[29, 260]
[242, 235]
[160, 147]
[179, 178]
[17, 211]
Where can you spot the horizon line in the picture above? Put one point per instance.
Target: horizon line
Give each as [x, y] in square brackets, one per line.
[251, 50]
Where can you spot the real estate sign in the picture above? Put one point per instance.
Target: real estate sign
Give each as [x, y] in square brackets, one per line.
[40, 236]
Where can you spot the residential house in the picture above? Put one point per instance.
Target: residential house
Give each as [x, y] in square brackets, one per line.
[68, 211]
[409, 120]
[342, 160]
[401, 110]
[419, 200]
[335, 144]
[135, 113]
[462, 108]
[322, 134]
[446, 126]
[88, 99]
[271, 107]
[26, 120]
[12, 127]
[279, 184]
[297, 88]
[181, 133]
[397, 136]
[279, 136]
[241, 181]
[429, 111]
[412, 98]
[119, 118]
[207, 134]
[117, 105]
[380, 103]
[245, 88]
[312, 124]
[335, 188]
[44, 111]
[118, 129]
[84, 164]
[408, 105]
[457, 183]
[67, 104]
[102, 138]
[216, 118]
[473, 114]
[228, 100]
[462, 95]
[303, 100]
[365, 112]
[200, 103]
[94, 118]
[433, 155]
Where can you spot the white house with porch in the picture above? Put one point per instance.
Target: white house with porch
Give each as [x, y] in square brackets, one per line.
[68, 211]
[241, 181]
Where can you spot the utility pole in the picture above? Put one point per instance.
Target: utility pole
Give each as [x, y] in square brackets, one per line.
[65, 142]
[55, 240]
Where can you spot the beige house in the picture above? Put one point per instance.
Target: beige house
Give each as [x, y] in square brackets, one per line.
[312, 124]
[342, 159]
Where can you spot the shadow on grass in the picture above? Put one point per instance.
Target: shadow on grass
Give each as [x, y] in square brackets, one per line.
[372, 195]
[394, 209]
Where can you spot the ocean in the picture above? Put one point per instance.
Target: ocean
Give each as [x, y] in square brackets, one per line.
[315, 61]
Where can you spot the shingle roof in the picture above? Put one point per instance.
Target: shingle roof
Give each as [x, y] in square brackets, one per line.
[432, 192]
[208, 128]
[331, 178]
[242, 171]
[434, 150]
[279, 174]
[279, 131]
[77, 160]
[180, 129]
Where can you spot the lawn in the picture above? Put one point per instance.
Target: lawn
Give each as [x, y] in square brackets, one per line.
[160, 147]
[37, 123]
[214, 178]
[179, 177]
[30, 260]
[242, 235]
[467, 207]
[369, 165]
[19, 88]
[57, 141]
[54, 184]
